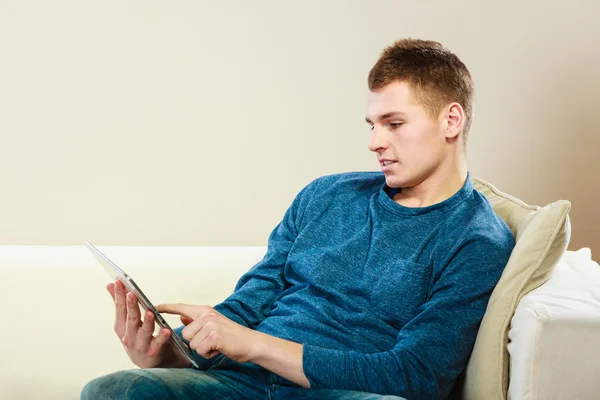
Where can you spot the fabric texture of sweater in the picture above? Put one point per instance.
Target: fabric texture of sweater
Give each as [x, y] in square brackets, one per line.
[384, 298]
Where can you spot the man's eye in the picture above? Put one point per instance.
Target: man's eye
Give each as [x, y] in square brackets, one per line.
[371, 127]
[395, 125]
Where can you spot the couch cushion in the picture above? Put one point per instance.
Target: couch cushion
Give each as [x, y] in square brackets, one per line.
[551, 333]
[541, 235]
[59, 317]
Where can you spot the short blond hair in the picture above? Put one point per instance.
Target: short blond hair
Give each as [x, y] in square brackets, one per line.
[436, 76]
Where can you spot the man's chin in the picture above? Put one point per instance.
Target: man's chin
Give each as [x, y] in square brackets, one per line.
[398, 182]
[394, 182]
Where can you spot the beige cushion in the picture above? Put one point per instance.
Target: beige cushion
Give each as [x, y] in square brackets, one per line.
[541, 235]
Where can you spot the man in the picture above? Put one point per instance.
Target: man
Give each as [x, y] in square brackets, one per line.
[374, 284]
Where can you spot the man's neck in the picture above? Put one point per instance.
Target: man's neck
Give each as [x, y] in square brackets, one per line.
[435, 189]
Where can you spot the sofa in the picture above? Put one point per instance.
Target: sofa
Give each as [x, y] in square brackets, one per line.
[535, 340]
[59, 331]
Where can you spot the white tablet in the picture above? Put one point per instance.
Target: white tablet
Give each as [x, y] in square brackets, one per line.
[117, 273]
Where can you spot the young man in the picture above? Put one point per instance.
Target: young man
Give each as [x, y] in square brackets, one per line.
[373, 283]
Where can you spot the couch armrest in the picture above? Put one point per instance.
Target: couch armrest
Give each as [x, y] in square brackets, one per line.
[554, 334]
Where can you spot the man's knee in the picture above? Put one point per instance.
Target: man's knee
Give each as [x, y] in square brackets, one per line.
[130, 385]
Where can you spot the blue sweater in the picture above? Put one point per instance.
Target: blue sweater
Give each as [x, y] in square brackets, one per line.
[385, 298]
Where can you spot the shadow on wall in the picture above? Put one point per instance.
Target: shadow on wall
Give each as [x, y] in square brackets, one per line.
[570, 95]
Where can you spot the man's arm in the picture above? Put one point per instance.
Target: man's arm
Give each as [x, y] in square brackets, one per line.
[263, 284]
[432, 349]
[282, 357]
[210, 333]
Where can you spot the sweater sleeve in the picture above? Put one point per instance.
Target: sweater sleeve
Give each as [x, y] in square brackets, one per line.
[262, 285]
[431, 349]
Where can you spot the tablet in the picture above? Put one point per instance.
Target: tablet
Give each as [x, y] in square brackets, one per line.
[117, 273]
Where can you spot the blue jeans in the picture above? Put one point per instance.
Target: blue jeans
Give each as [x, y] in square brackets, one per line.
[226, 380]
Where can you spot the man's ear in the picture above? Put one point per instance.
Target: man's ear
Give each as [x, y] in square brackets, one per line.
[455, 120]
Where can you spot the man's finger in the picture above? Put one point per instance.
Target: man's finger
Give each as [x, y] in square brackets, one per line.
[120, 309]
[111, 289]
[191, 330]
[185, 310]
[158, 342]
[133, 320]
[186, 320]
[144, 336]
[206, 342]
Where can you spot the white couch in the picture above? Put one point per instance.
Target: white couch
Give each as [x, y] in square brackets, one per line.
[58, 331]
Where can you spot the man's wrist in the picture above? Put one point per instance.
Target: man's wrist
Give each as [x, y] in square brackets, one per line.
[259, 348]
[280, 356]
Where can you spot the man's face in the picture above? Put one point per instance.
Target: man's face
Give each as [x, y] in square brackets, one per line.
[403, 133]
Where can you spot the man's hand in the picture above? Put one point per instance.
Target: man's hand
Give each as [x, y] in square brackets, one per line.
[211, 333]
[143, 348]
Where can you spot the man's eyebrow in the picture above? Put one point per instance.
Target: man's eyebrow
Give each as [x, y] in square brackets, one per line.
[387, 116]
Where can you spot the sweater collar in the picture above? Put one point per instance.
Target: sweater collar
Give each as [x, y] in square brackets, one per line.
[386, 193]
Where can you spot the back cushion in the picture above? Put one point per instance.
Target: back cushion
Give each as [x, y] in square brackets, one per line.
[541, 235]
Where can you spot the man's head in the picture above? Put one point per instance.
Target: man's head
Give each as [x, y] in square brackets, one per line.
[420, 107]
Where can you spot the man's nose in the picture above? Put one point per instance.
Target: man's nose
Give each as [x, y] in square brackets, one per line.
[377, 141]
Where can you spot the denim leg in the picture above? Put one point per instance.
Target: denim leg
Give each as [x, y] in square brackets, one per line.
[159, 383]
[288, 393]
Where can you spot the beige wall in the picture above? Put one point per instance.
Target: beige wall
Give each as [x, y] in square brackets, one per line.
[196, 122]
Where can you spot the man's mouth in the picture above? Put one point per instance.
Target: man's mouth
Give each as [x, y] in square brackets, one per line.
[385, 163]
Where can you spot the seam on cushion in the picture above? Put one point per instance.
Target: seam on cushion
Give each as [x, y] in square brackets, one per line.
[504, 337]
[507, 196]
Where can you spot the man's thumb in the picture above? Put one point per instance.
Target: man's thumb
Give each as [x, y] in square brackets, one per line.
[186, 320]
